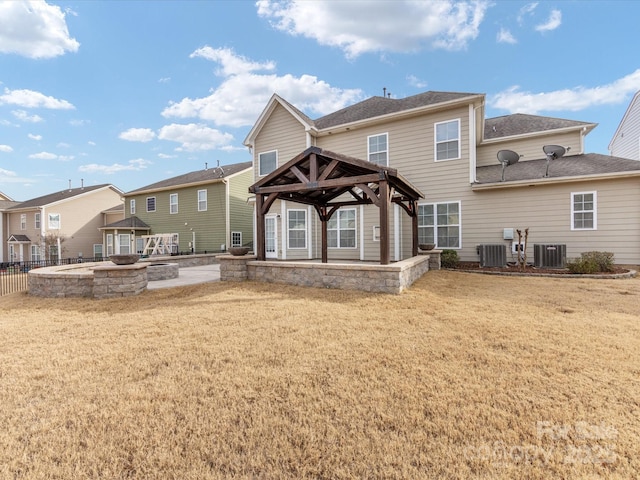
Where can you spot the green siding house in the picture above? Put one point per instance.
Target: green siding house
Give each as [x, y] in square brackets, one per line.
[201, 211]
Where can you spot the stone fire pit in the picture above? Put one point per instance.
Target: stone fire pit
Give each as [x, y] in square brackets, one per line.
[124, 258]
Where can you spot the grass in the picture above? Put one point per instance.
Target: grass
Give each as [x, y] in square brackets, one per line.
[462, 376]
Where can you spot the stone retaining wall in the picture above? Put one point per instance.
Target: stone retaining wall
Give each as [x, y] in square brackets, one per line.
[119, 280]
[54, 282]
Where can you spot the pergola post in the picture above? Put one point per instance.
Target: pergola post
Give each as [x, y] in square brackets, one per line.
[383, 196]
[260, 247]
[413, 207]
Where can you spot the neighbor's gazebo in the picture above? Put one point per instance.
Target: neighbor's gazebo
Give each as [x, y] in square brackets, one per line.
[321, 178]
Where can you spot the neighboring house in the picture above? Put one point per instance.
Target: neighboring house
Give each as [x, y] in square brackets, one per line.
[441, 143]
[203, 211]
[626, 140]
[5, 203]
[60, 225]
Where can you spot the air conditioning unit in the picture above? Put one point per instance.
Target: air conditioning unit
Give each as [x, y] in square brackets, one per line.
[548, 255]
[492, 255]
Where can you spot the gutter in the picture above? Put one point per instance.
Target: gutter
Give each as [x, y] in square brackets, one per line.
[552, 181]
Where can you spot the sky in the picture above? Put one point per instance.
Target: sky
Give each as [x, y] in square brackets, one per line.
[134, 92]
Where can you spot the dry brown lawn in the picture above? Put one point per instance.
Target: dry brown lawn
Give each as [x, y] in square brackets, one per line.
[463, 376]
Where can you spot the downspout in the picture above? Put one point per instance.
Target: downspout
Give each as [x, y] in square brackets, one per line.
[227, 212]
[472, 143]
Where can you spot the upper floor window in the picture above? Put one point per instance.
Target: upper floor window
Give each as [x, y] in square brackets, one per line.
[268, 162]
[173, 203]
[132, 206]
[447, 140]
[297, 228]
[202, 200]
[378, 149]
[583, 211]
[341, 229]
[151, 204]
[54, 221]
[37, 221]
[23, 221]
[439, 223]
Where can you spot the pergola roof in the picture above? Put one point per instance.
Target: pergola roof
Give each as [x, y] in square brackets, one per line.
[318, 177]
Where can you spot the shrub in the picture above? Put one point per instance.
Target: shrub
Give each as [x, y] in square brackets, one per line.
[449, 259]
[592, 262]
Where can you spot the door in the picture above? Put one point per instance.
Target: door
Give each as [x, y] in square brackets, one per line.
[270, 236]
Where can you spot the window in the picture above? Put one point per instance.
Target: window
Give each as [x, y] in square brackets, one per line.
[97, 250]
[139, 245]
[268, 162]
[376, 233]
[447, 140]
[583, 211]
[54, 221]
[297, 228]
[23, 221]
[53, 253]
[378, 149]
[35, 253]
[439, 223]
[202, 200]
[132, 206]
[151, 204]
[341, 229]
[236, 239]
[173, 203]
[109, 244]
[37, 221]
[124, 241]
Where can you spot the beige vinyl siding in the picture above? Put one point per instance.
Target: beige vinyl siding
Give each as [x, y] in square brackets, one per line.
[546, 211]
[529, 148]
[282, 133]
[240, 211]
[626, 142]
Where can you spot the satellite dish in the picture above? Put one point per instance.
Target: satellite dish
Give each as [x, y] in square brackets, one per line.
[553, 151]
[506, 158]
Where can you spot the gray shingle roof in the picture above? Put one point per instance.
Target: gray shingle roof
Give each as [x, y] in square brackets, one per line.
[199, 176]
[569, 166]
[130, 222]
[378, 106]
[520, 123]
[58, 196]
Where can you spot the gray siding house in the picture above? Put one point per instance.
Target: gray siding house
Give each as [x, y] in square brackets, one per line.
[626, 139]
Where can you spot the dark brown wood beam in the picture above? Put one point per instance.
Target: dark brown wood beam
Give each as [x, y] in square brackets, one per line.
[319, 185]
[328, 170]
[384, 222]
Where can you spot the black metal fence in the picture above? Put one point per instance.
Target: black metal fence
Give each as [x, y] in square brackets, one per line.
[14, 275]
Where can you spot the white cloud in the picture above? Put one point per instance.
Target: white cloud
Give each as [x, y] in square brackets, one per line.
[6, 148]
[359, 27]
[32, 99]
[231, 64]
[165, 156]
[515, 101]
[34, 29]
[63, 145]
[92, 143]
[164, 80]
[79, 123]
[240, 98]
[553, 22]
[138, 135]
[416, 82]
[195, 137]
[32, 136]
[505, 36]
[525, 11]
[132, 165]
[25, 117]
[51, 156]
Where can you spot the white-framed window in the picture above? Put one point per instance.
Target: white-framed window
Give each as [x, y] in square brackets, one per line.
[584, 215]
[376, 233]
[139, 245]
[124, 242]
[23, 221]
[236, 239]
[54, 221]
[37, 221]
[202, 200]
[53, 253]
[378, 149]
[132, 206]
[97, 250]
[173, 203]
[447, 140]
[341, 229]
[109, 244]
[35, 253]
[267, 162]
[151, 204]
[297, 228]
[439, 223]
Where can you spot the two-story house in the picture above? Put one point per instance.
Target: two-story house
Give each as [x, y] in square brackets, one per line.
[59, 225]
[201, 211]
[626, 139]
[441, 144]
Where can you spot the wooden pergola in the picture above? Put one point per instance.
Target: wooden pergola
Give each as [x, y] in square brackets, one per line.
[328, 181]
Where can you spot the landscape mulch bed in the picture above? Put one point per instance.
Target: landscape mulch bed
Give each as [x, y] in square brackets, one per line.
[529, 269]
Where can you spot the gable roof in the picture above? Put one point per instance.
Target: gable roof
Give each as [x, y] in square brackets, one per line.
[585, 165]
[627, 113]
[523, 124]
[131, 222]
[17, 238]
[61, 196]
[208, 175]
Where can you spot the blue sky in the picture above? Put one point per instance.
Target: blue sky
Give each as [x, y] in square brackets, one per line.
[132, 92]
